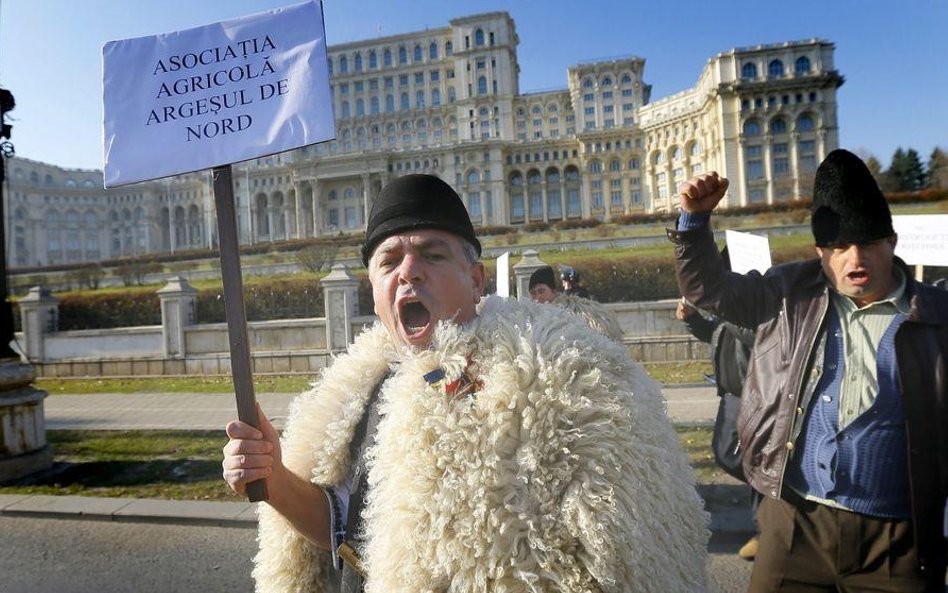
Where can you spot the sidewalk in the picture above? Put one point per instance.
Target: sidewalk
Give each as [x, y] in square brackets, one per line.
[687, 405]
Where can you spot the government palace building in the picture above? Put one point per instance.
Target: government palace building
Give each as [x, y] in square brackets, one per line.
[447, 101]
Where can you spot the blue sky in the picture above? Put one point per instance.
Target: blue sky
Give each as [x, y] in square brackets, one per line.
[892, 53]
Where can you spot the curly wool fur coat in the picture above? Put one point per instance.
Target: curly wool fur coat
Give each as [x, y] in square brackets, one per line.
[562, 473]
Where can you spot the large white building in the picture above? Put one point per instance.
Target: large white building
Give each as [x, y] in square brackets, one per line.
[447, 101]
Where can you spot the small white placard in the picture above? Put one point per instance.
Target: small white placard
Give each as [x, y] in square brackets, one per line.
[503, 275]
[215, 95]
[748, 252]
[923, 238]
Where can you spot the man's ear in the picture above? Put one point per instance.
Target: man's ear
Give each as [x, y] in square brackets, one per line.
[894, 240]
[479, 276]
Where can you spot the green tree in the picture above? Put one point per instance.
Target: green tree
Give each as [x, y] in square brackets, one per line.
[936, 175]
[905, 172]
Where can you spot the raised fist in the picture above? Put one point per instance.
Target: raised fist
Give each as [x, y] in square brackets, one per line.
[702, 192]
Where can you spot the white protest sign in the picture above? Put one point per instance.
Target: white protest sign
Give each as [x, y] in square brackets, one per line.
[923, 238]
[747, 252]
[503, 275]
[215, 95]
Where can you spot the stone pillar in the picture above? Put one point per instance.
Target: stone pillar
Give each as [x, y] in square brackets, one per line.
[39, 312]
[528, 264]
[23, 448]
[178, 310]
[341, 300]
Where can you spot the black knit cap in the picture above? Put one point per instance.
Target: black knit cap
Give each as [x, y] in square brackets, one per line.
[417, 202]
[543, 275]
[848, 206]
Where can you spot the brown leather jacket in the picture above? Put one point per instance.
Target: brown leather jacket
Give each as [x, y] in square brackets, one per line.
[788, 306]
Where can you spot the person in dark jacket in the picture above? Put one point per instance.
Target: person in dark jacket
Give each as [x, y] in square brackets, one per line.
[569, 277]
[730, 354]
[844, 412]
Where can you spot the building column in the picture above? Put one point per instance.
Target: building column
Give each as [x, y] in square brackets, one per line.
[768, 168]
[794, 164]
[365, 201]
[178, 310]
[341, 302]
[317, 220]
[39, 314]
[528, 264]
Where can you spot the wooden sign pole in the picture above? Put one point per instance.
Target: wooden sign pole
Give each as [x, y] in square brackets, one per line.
[234, 308]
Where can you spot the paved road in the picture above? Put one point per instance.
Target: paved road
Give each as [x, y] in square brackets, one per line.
[39, 555]
[123, 411]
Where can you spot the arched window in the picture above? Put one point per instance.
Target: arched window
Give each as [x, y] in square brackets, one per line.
[607, 81]
[778, 125]
[375, 105]
[373, 60]
[533, 177]
[615, 165]
[659, 158]
[387, 57]
[419, 99]
[403, 102]
[360, 107]
[626, 79]
[552, 108]
[804, 123]
[435, 97]
[749, 70]
[482, 85]
[676, 154]
[343, 65]
[572, 173]
[90, 219]
[72, 217]
[751, 128]
[536, 110]
[433, 51]
[554, 197]
[516, 179]
[802, 65]
[358, 62]
[448, 49]
[417, 56]
[348, 193]
[775, 69]
[473, 177]
[588, 83]
[52, 217]
[345, 110]
[389, 103]
[695, 149]
[595, 167]
[478, 38]
[402, 55]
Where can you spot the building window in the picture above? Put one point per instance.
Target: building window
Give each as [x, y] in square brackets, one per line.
[435, 98]
[389, 103]
[449, 49]
[474, 205]
[417, 53]
[387, 57]
[478, 38]
[404, 103]
[781, 167]
[482, 85]
[433, 51]
[375, 105]
[778, 126]
[358, 62]
[802, 65]
[373, 60]
[804, 123]
[343, 65]
[749, 71]
[751, 128]
[775, 69]
[402, 55]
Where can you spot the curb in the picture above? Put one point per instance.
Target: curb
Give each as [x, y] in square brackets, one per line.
[133, 510]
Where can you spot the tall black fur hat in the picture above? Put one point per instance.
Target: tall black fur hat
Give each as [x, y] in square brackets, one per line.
[417, 202]
[848, 206]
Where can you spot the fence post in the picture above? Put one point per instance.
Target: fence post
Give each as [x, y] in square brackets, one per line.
[528, 264]
[341, 300]
[178, 310]
[39, 315]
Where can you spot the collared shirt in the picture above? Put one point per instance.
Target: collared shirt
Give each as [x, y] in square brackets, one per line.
[862, 329]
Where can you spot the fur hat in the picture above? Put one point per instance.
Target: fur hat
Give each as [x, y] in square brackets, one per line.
[543, 275]
[417, 202]
[848, 206]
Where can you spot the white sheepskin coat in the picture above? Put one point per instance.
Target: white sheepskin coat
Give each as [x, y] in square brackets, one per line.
[562, 474]
[597, 316]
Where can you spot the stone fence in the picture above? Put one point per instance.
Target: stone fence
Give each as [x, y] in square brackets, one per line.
[179, 346]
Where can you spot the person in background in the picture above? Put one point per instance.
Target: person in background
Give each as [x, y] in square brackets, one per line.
[730, 354]
[571, 285]
[844, 412]
[543, 290]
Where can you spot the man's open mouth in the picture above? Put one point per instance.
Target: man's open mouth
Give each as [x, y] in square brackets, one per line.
[858, 278]
[414, 317]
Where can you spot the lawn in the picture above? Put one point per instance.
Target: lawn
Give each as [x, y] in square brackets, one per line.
[186, 465]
